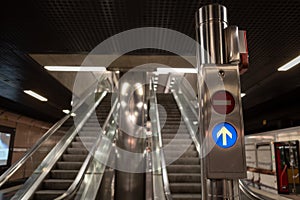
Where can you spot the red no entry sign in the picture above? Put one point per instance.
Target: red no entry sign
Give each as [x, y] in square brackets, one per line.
[223, 102]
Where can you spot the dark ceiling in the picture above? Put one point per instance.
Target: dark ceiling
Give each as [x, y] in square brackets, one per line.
[77, 26]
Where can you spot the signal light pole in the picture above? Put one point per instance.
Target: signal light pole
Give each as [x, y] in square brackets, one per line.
[221, 56]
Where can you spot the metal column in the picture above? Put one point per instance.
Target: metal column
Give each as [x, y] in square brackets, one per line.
[211, 23]
[130, 176]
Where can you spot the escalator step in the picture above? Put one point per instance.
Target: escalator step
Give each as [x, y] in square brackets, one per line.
[73, 158]
[69, 165]
[77, 151]
[171, 136]
[47, 194]
[85, 145]
[186, 196]
[178, 147]
[177, 141]
[64, 174]
[180, 154]
[185, 188]
[184, 177]
[183, 169]
[57, 184]
[186, 161]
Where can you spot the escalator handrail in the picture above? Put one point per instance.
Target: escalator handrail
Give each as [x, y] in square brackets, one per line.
[11, 171]
[163, 163]
[248, 192]
[79, 178]
[34, 181]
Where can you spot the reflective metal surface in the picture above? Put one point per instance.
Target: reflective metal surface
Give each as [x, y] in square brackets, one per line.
[212, 22]
[97, 149]
[161, 188]
[248, 193]
[232, 45]
[17, 165]
[92, 179]
[185, 102]
[44, 168]
[130, 177]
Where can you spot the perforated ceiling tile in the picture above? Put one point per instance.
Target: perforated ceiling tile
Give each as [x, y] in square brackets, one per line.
[75, 26]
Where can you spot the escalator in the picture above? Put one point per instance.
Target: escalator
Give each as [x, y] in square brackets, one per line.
[65, 170]
[184, 172]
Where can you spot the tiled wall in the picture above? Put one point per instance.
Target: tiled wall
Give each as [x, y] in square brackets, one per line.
[28, 131]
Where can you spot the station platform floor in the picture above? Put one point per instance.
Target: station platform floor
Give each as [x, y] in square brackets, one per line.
[275, 196]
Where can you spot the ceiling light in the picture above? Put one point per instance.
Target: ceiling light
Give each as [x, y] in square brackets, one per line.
[35, 95]
[66, 111]
[176, 70]
[290, 64]
[117, 72]
[243, 94]
[73, 114]
[75, 68]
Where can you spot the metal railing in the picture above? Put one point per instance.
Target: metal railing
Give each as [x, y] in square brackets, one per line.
[75, 185]
[21, 162]
[49, 161]
[157, 138]
[248, 192]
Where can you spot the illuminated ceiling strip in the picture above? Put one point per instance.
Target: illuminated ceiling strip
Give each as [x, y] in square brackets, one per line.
[35, 95]
[75, 68]
[176, 70]
[290, 64]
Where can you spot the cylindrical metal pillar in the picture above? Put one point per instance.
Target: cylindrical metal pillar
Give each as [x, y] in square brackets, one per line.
[211, 22]
[130, 160]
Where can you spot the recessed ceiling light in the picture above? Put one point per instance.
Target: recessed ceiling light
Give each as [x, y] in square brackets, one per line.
[290, 64]
[35, 95]
[243, 94]
[176, 70]
[66, 111]
[75, 68]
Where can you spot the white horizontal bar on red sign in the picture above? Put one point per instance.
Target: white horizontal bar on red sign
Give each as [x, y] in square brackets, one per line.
[222, 102]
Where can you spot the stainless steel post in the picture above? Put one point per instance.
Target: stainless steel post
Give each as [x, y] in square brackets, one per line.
[130, 176]
[211, 22]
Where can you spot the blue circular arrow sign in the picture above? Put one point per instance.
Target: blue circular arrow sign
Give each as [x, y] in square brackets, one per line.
[224, 135]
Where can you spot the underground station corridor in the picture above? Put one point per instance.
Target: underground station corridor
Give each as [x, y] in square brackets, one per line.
[150, 100]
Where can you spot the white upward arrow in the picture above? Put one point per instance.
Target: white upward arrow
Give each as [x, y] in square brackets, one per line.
[224, 132]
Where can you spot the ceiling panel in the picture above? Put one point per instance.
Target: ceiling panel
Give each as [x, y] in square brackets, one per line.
[77, 26]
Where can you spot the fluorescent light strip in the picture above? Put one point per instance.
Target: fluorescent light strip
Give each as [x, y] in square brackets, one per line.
[176, 70]
[243, 94]
[290, 64]
[75, 68]
[35, 95]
